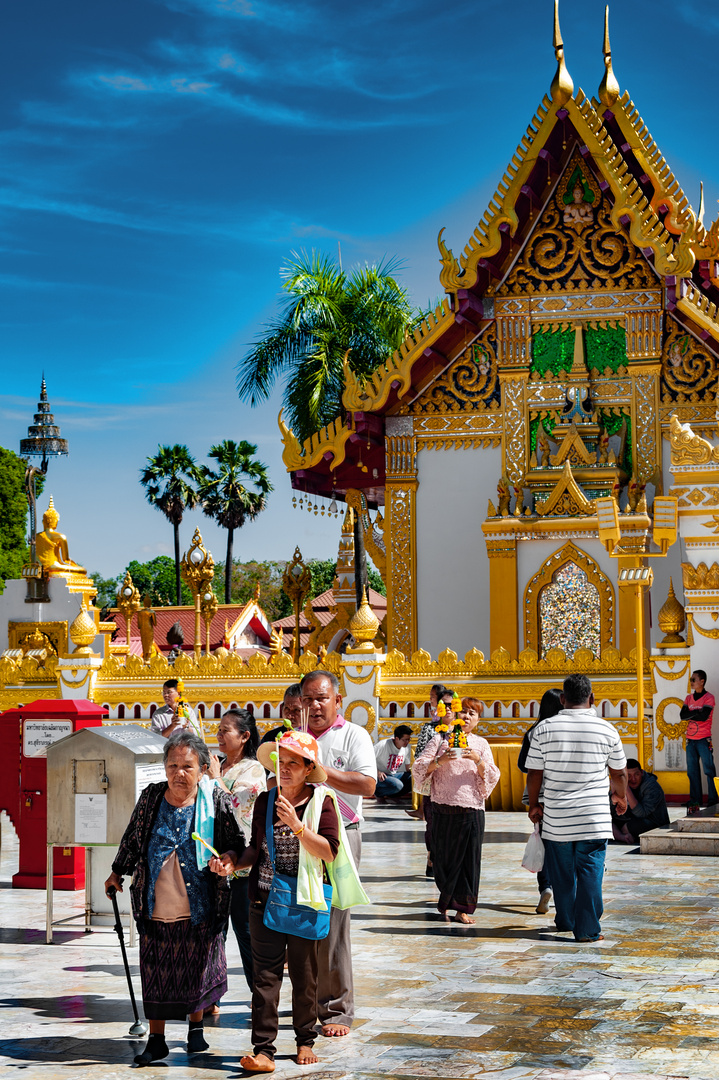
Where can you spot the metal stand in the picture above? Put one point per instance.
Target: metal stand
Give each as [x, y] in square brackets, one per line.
[88, 913]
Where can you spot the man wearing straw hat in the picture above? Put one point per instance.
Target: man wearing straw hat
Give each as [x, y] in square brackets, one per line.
[348, 758]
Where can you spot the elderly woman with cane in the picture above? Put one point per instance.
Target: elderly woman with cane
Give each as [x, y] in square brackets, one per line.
[179, 892]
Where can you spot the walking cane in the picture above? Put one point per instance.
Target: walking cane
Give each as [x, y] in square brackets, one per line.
[138, 1028]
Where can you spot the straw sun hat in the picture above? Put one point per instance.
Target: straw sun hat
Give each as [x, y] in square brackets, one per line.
[301, 745]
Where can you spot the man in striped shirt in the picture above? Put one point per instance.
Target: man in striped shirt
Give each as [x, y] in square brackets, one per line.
[572, 752]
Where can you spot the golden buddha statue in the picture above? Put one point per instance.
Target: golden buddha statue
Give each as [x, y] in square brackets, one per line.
[147, 621]
[51, 546]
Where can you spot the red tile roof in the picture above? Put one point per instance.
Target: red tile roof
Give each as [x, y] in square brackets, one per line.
[321, 606]
[256, 620]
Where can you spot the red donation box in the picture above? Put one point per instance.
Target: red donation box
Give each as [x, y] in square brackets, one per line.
[25, 735]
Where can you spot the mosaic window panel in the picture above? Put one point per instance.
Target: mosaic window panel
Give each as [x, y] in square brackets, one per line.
[569, 613]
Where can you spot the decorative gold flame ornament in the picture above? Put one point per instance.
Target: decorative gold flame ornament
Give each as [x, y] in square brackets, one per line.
[363, 626]
[296, 583]
[672, 620]
[275, 644]
[83, 632]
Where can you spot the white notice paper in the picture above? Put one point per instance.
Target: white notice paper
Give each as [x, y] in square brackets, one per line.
[90, 820]
[153, 773]
[37, 735]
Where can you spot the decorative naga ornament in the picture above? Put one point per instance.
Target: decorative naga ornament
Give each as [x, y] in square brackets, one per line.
[672, 620]
[562, 86]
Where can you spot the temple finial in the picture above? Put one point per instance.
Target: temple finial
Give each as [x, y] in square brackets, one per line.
[562, 86]
[700, 214]
[609, 87]
[43, 389]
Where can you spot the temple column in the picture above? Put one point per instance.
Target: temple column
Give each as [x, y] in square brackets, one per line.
[515, 433]
[646, 421]
[401, 523]
[503, 592]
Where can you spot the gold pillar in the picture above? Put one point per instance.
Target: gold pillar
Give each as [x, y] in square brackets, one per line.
[503, 596]
[646, 422]
[515, 433]
[197, 569]
[401, 531]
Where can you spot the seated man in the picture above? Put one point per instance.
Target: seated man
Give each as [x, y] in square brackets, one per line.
[646, 805]
[394, 776]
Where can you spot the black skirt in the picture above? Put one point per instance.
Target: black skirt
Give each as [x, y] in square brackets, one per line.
[182, 967]
[457, 835]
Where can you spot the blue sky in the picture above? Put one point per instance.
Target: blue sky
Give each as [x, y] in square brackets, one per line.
[159, 159]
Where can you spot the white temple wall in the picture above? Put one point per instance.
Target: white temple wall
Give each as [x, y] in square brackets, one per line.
[531, 554]
[64, 606]
[664, 569]
[452, 563]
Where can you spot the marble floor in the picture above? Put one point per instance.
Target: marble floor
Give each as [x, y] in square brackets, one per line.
[508, 998]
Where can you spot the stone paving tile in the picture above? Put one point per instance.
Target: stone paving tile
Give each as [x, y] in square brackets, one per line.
[509, 999]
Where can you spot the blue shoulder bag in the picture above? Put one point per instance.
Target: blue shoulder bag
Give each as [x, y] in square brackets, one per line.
[282, 912]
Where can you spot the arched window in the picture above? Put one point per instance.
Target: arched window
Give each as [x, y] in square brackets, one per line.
[266, 712]
[410, 710]
[120, 712]
[569, 613]
[201, 710]
[569, 605]
[218, 711]
[138, 712]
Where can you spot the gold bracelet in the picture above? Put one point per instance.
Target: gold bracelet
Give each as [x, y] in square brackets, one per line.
[299, 831]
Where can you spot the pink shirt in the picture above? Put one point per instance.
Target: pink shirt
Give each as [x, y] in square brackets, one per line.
[457, 782]
[701, 729]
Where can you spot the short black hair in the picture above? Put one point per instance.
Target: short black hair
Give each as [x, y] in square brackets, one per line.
[292, 691]
[439, 690]
[701, 675]
[632, 763]
[170, 684]
[312, 675]
[401, 730]
[577, 689]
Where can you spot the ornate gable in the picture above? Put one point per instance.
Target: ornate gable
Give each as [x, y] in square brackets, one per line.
[470, 383]
[575, 247]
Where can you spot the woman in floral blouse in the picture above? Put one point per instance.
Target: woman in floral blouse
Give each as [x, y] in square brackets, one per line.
[243, 777]
[461, 781]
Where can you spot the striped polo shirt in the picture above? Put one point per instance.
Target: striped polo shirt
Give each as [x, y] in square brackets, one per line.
[573, 749]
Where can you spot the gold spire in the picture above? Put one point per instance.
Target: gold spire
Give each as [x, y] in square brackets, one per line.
[671, 621]
[608, 87]
[562, 86]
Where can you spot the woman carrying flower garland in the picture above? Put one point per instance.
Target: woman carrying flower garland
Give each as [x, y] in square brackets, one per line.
[463, 774]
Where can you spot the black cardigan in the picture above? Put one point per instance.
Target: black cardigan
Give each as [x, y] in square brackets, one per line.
[131, 855]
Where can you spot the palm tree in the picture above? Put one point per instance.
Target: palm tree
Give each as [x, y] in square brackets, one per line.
[327, 313]
[168, 480]
[225, 495]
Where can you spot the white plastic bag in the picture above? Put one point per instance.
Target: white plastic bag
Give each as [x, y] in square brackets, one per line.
[533, 858]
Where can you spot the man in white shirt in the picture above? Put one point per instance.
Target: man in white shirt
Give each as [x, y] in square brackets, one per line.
[175, 714]
[394, 776]
[348, 759]
[572, 752]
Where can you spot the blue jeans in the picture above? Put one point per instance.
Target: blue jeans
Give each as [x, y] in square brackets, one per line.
[576, 868]
[393, 785]
[700, 750]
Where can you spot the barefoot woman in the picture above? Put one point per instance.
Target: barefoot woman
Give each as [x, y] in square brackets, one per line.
[297, 847]
[460, 785]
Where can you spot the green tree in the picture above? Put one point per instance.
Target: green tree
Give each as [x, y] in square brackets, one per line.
[168, 479]
[327, 315]
[106, 590]
[157, 578]
[13, 515]
[236, 493]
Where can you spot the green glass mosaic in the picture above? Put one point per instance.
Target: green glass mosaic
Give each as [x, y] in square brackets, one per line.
[605, 348]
